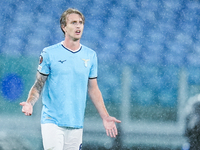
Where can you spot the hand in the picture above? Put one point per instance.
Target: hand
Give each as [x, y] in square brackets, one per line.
[109, 124]
[27, 108]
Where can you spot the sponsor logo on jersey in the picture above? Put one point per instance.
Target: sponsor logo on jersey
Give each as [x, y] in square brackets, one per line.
[61, 61]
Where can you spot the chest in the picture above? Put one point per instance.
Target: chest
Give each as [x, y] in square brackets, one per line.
[70, 63]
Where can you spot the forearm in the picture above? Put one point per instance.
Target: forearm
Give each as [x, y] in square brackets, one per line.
[33, 96]
[97, 99]
[36, 90]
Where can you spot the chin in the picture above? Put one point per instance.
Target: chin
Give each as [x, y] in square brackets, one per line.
[76, 39]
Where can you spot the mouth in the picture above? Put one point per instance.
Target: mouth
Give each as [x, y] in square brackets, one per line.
[78, 31]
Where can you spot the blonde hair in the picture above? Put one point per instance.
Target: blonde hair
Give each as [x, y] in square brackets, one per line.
[69, 11]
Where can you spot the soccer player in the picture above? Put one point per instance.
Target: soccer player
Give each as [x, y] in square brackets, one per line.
[66, 72]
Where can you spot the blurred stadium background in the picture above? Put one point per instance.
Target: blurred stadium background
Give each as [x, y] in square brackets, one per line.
[148, 52]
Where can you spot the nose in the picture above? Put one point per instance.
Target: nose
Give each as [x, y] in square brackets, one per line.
[78, 24]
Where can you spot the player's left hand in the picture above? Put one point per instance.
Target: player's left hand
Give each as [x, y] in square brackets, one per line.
[109, 124]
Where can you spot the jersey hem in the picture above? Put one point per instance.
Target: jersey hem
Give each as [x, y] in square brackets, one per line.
[43, 73]
[93, 78]
[63, 125]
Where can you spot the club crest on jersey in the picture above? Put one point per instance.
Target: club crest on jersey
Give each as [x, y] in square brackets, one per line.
[86, 62]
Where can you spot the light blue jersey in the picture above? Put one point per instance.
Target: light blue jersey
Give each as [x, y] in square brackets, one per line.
[65, 90]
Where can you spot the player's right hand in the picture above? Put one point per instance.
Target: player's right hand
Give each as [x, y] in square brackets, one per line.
[27, 108]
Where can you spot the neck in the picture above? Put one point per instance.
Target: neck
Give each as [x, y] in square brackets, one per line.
[71, 45]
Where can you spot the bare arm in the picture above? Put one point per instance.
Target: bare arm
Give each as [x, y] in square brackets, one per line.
[97, 99]
[34, 94]
[36, 89]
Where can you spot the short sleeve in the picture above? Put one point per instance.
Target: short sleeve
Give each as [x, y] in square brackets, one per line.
[93, 69]
[43, 66]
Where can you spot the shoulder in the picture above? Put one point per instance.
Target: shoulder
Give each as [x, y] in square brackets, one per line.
[52, 47]
[87, 49]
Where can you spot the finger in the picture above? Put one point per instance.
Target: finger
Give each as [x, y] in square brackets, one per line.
[110, 132]
[23, 103]
[118, 121]
[23, 110]
[28, 114]
[115, 131]
[115, 120]
[107, 132]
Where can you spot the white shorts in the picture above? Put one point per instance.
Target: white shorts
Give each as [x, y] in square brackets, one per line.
[61, 138]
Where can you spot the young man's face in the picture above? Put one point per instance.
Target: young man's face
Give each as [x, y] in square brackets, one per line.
[74, 27]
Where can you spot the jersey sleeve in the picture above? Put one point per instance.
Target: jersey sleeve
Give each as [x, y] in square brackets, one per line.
[93, 70]
[43, 66]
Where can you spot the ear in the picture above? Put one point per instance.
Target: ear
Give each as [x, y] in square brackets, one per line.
[63, 27]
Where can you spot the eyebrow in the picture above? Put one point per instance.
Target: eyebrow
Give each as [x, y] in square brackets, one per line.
[76, 21]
